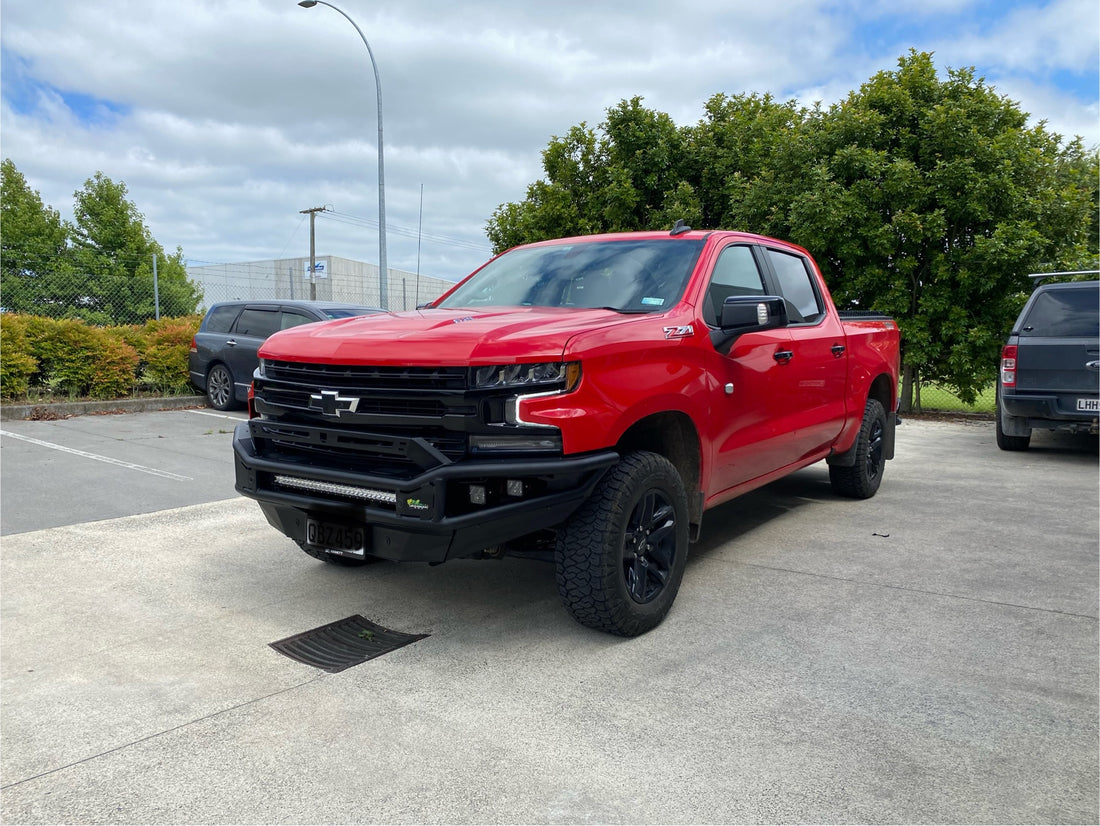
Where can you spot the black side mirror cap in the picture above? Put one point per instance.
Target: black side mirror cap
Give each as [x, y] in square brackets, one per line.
[748, 314]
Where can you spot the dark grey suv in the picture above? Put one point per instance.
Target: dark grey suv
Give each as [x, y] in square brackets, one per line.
[223, 351]
[1050, 366]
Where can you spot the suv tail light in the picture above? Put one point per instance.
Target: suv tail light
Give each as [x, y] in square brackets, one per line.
[194, 345]
[1008, 365]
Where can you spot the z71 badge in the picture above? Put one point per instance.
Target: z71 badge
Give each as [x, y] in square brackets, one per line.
[679, 332]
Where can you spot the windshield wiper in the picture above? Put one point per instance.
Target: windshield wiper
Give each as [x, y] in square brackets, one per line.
[625, 312]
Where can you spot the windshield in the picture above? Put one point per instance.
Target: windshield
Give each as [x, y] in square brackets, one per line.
[627, 276]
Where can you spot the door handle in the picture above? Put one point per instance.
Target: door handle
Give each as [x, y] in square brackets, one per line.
[231, 343]
[838, 350]
[783, 356]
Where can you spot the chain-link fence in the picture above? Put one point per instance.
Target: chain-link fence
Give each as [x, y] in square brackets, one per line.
[932, 398]
[105, 297]
[331, 279]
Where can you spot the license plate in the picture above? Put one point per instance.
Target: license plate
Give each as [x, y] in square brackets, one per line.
[1089, 405]
[349, 540]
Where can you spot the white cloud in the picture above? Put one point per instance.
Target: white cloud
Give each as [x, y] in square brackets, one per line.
[239, 114]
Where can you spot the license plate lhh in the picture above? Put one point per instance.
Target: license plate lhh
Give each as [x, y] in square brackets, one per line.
[344, 539]
[1088, 405]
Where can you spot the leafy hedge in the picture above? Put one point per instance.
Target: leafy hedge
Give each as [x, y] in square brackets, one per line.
[66, 357]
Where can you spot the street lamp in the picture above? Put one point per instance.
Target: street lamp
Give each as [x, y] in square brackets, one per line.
[383, 270]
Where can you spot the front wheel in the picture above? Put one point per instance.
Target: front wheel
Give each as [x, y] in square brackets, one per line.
[621, 557]
[861, 480]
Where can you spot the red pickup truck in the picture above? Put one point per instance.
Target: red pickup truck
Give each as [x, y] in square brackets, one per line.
[583, 400]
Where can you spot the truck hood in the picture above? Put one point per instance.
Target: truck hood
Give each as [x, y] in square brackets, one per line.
[440, 337]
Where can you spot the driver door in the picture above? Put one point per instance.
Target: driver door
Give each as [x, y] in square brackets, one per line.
[751, 386]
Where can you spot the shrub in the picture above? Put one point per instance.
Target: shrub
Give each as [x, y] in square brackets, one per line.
[17, 365]
[69, 357]
[167, 344]
[77, 360]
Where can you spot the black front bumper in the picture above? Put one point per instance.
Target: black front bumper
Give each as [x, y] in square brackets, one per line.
[416, 523]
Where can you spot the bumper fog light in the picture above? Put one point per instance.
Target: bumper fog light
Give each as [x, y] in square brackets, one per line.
[508, 442]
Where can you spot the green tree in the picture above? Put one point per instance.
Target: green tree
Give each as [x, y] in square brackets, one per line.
[735, 155]
[36, 275]
[98, 268]
[628, 176]
[114, 250]
[932, 200]
[924, 198]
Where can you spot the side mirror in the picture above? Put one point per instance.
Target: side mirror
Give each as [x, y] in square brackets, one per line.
[748, 314]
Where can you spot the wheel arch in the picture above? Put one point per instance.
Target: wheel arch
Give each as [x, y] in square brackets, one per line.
[881, 390]
[217, 362]
[672, 434]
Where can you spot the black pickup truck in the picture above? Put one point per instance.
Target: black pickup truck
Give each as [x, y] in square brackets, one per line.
[1050, 365]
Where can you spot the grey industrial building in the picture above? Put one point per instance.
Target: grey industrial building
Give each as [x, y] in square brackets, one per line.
[337, 279]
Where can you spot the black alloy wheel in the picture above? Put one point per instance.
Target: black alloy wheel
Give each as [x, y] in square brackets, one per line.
[875, 462]
[649, 549]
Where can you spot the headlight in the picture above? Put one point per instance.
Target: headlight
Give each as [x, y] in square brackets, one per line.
[564, 375]
[263, 364]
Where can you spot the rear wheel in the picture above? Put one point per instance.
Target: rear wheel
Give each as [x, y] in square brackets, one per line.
[621, 557]
[862, 479]
[219, 388]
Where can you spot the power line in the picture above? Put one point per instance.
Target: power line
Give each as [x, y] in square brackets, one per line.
[407, 232]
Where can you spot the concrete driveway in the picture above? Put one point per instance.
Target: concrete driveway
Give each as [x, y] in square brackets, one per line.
[929, 655]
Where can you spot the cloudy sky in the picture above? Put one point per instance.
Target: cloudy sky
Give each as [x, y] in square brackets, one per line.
[225, 118]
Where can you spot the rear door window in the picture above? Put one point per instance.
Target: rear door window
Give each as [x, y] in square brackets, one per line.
[796, 286]
[1064, 314]
[221, 319]
[258, 323]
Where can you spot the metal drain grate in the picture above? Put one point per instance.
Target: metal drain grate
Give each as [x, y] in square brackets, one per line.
[342, 644]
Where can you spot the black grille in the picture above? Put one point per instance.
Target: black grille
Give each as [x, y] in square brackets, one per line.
[389, 421]
[373, 405]
[366, 378]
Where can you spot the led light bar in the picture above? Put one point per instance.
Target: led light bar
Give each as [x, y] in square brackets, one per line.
[350, 491]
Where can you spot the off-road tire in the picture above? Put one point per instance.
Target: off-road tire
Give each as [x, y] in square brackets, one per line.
[621, 556]
[220, 392]
[862, 479]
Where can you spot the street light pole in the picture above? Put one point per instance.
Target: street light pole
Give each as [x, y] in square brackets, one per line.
[383, 268]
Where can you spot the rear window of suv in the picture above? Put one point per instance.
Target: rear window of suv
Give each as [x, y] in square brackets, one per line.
[1064, 314]
[221, 319]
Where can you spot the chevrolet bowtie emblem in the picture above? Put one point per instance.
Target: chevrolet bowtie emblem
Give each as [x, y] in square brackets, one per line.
[331, 403]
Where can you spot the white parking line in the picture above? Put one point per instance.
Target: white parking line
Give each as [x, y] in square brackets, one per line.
[216, 415]
[130, 465]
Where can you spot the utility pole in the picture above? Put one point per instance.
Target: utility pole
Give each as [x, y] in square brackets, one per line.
[312, 250]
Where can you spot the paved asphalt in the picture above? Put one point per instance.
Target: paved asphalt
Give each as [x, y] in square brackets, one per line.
[930, 655]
